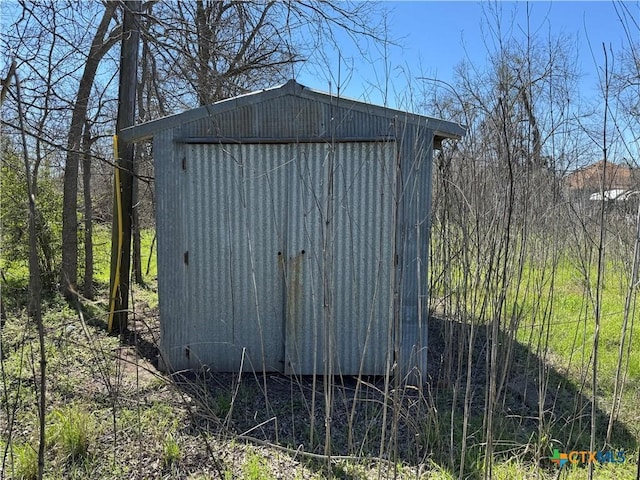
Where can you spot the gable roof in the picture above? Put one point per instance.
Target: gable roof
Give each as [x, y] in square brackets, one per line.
[442, 129]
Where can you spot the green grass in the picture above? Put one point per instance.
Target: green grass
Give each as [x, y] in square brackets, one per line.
[607, 471]
[102, 254]
[91, 396]
[170, 450]
[571, 325]
[16, 271]
[564, 310]
[560, 316]
[514, 469]
[25, 461]
[81, 440]
[256, 468]
[72, 431]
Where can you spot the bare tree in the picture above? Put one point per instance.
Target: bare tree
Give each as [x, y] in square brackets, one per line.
[35, 281]
[208, 50]
[104, 38]
[45, 69]
[195, 53]
[494, 198]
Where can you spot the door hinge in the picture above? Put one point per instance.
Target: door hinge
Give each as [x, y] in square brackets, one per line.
[186, 257]
[184, 163]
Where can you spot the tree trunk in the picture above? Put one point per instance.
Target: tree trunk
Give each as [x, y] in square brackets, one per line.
[88, 214]
[35, 290]
[123, 184]
[99, 47]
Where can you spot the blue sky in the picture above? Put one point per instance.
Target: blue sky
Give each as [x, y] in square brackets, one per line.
[434, 37]
[431, 37]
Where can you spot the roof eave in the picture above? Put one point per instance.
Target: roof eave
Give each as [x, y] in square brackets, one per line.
[147, 130]
[144, 131]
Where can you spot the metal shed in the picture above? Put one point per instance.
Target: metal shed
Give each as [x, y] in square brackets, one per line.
[293, 231]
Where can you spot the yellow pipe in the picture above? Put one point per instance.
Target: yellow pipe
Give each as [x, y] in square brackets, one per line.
[116, 280]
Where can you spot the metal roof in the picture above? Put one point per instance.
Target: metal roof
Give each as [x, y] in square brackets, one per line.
[442, 129]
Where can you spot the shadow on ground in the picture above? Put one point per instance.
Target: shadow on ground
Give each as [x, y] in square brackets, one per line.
[537, 409]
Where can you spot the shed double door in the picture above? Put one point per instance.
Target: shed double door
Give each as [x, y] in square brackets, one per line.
[291, 250]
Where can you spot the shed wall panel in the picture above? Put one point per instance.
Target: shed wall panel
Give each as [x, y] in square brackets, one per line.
[413, 248]
[364, 252]
[342, 218]
[171, 241]
[306, 259]
[235, 220]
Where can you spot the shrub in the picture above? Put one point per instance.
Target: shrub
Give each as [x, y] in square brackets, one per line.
[14, 217]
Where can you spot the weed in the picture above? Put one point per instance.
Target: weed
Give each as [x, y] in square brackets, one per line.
[513, 469]
[25, 461]
[349, 470]
[76, 372]
[255, 468]
[72, 432]
[438, 472]
[170, 450]
[159, 417]
[222, 404]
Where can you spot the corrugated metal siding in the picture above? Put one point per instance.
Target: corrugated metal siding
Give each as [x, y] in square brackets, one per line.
[235, 218]
[413, 238]
[346, 232]
[364, 188]
[170, 230]
[253, 221]
[297, 117]
[296, 103]
[305, 261]
[246, 213]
